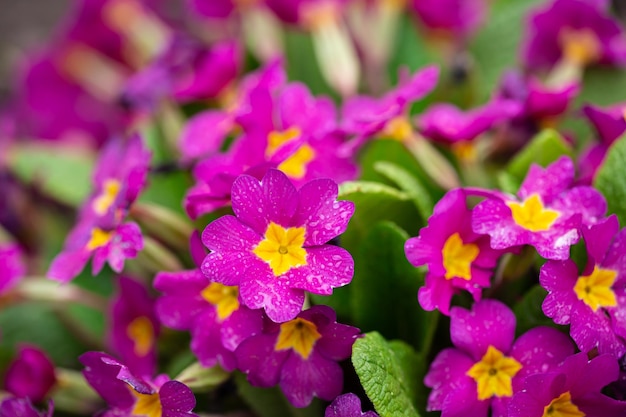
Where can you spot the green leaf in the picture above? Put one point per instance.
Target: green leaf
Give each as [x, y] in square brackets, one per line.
[611, 181]
[36, 323]
[271, 402]
[546, 147]
[391, 374]
[408, 183]
[168, 190]
[496, 46]
[528, 311]
[384, 278]
[61, 172]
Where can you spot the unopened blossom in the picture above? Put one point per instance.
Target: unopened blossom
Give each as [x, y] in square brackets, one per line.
[134, 327]
[571, 390]
[30, 375]
[212, 312]
[347, 405]
[487, 366]
[12, 266]
[575, 31]
[592, 302]
[456, 257]
[129, 395]
[301, 355]
[275, 246]
[547, 212]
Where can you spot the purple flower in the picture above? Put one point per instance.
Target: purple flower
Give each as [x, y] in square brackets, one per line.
[22, 407]
[387, 116]
[456, 17]
[446, 123]
[274, 247]
[574, 31]
[573, 389]
[347, 405]
[125, 392]
[609, 124]
[457, 258]
[119, 177]
[12, 266]
[210, 311]
[112, 245]
[301, 355]
[593, 303]
[134, 327]
[547, 215]
[30, 375]
[486, 367]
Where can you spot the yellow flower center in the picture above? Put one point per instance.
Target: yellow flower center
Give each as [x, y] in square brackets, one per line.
[223, 297]
[277, 139]
[493, 374]
[580, 46]
[146, 405]
[532, 215]
[458, 257]
[98, 238]
[282, 248]
[107, 197]
[562, 407]
[465, 151]
[595, 289]
[141, 332]
[398, 128]
[298, 334]
[295, 165]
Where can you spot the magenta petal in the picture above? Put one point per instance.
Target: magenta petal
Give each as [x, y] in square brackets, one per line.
[584, 375]
[327, 267]
[242, 324]
[126, 243]
[177, 397]
[257, 203]
[539, 350]
[281, 303]
[204, 133]
[68, 264]
[182, 301]
[257, 358]
[320, 213]
[446, 374]
[347, 405]
[464, 402]
[489, 323]
[584, 200]
[436, 294]
[559, 278]
[548, 182]
[301, 379]
[102, 375]
[30, 375]
[206, 342]
[228, 234]
[590, 330]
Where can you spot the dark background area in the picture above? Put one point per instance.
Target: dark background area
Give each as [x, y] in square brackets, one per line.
[25, 24]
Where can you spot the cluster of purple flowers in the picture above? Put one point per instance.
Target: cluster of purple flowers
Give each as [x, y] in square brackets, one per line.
[242, 289]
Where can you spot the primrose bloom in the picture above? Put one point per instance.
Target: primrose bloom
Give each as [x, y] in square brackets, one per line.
[486, 367]
[112, 245]
[571, 390]
[31, 374]
[574, 31]
[134, 327]
[347, 405]
[274, 248]
[129, 395]
[457, 258]
[218, 322]
[458, 18]
[547, 213]
[594, 302]
[301, 355]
